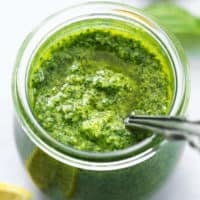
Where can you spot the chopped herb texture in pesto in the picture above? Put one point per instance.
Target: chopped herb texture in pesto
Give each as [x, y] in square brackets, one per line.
[85, 84]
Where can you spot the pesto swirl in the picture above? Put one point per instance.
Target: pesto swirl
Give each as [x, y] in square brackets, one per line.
[81, 92]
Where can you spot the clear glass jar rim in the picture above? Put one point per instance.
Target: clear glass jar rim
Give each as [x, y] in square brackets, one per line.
[91, 160]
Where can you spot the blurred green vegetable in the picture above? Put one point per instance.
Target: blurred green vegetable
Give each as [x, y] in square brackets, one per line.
[179, 21]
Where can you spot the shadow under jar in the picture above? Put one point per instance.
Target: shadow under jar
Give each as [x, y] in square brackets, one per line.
[64, 172]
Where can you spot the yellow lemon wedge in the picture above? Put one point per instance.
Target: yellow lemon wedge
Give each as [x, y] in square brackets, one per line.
[68, 180]
[10, 192]
[47, 172]
[42, 169]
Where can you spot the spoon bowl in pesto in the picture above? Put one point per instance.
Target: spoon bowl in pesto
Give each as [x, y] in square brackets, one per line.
[173, 128]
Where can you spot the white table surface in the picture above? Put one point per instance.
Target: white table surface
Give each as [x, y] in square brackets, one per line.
[17, 18]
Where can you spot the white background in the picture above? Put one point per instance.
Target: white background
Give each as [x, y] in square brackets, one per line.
[17, 18]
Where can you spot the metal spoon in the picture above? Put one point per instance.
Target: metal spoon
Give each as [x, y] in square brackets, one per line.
[173, 128]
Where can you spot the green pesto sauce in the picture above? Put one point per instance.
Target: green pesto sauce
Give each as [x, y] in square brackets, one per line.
[85, 84]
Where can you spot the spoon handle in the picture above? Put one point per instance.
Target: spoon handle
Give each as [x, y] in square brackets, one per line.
[173, 128]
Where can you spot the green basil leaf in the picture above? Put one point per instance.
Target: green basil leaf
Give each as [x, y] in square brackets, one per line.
[175, 18]
[179, 21]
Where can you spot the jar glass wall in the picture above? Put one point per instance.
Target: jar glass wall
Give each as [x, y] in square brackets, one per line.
[63, 172]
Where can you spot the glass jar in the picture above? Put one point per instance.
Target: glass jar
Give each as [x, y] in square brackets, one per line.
[65, 173]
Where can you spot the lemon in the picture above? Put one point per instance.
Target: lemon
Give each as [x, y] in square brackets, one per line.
[47, 173]
[10, 192]
[42, 169]
[68, 180]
